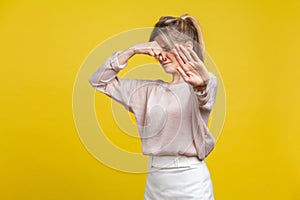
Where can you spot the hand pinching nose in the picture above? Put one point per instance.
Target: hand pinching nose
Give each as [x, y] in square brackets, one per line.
[160, 57]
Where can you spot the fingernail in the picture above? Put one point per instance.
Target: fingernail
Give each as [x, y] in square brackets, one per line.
[160, 57]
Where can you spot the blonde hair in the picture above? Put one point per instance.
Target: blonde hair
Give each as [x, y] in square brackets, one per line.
[180, 29]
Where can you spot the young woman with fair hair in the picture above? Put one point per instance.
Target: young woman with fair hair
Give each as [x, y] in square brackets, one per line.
[171, 117]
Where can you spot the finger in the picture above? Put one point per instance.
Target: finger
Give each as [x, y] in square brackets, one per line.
[179, 59]
[151, 53]
[200, 68]
[160, 57]
[194, 55]
[192, 64]
[181, 54]
[186, 53]
[153, 44]
[203, 73]
[155, 48]
[182, 73]
[199, 65]
[185, 66]
[156, 51]
[190, 67]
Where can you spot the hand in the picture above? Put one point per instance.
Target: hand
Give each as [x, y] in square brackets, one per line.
[149, 48]
[191, 68]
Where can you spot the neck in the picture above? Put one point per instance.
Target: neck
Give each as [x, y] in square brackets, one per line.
[176, 78]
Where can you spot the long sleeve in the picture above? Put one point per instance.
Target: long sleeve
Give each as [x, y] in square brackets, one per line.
[207, 100]
[105, 80]
[204, 140]
[106, 72]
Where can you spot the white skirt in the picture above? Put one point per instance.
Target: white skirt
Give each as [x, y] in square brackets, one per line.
[182, 178]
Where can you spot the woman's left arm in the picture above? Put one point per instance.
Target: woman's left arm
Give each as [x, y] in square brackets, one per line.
[194, 72]
[207, 96]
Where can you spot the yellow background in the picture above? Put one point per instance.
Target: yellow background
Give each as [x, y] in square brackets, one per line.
[255, 45]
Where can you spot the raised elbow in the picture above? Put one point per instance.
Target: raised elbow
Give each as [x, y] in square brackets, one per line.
[92, 81]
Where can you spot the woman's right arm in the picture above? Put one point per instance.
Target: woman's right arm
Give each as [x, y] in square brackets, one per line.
[108, 70]
[105, 79]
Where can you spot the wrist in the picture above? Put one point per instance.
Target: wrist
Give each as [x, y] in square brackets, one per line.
[200, 88]
[125, 55]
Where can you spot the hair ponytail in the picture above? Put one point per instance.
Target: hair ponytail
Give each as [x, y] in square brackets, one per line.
[200, 39]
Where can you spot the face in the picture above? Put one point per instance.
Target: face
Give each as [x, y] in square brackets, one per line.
[168, 59]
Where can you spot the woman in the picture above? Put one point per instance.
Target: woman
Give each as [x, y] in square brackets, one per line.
[171, 117]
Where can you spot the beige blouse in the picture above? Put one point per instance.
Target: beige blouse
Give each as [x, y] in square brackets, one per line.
[171, 119]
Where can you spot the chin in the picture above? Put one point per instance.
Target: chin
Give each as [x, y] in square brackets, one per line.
[170, 69]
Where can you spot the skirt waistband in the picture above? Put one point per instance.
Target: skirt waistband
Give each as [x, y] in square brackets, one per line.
[173, 161]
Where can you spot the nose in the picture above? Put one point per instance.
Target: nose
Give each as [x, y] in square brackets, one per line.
[162, 57]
